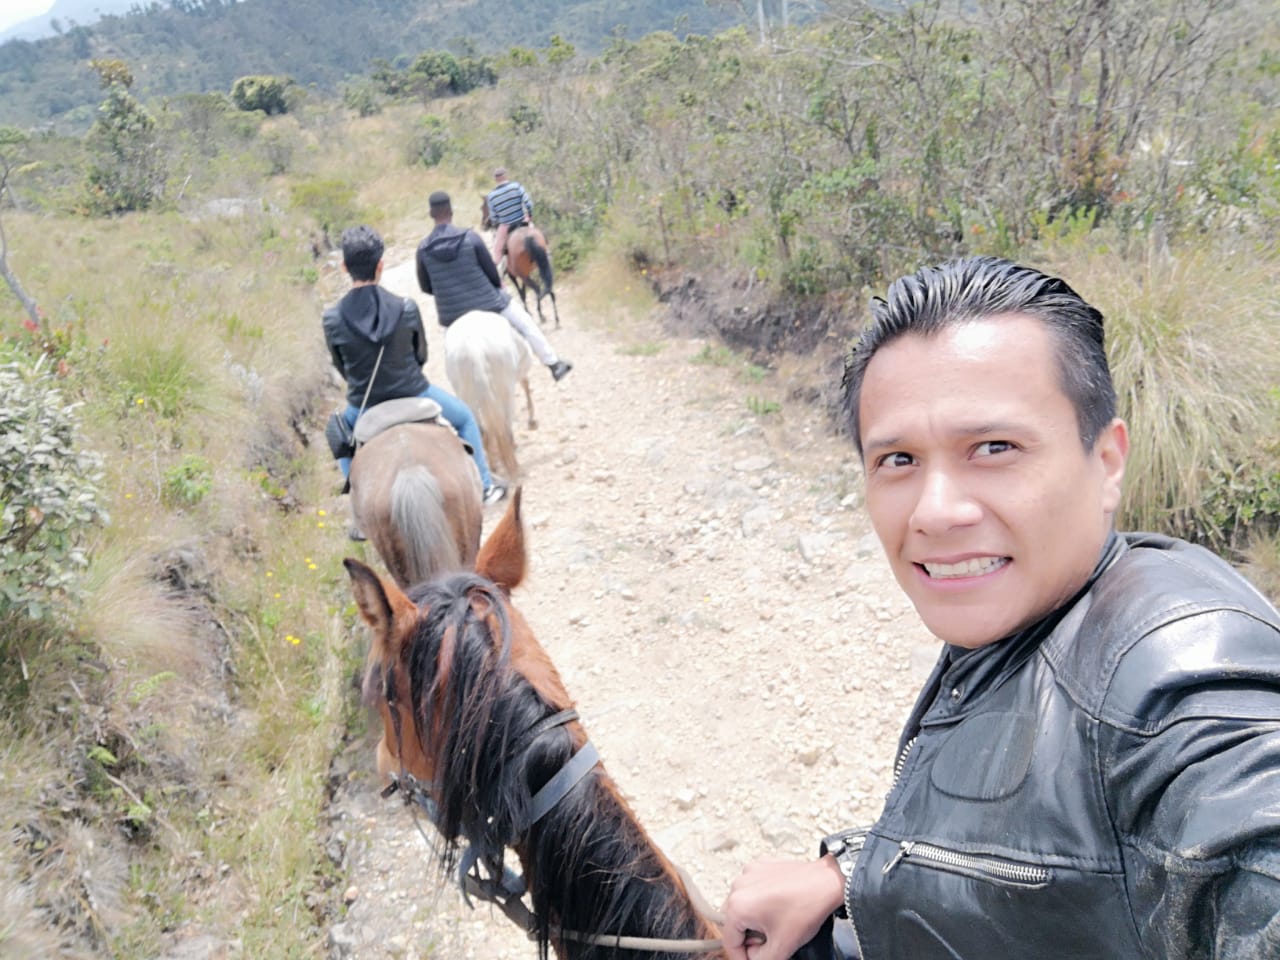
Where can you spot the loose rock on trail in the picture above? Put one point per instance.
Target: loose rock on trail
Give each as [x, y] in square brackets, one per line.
[708, 585]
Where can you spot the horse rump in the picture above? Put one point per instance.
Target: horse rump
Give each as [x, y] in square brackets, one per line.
[485, 359]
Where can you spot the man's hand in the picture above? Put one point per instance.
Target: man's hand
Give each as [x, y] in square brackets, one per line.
[785, 901]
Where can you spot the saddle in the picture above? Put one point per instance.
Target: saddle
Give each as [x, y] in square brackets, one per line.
[387, 414]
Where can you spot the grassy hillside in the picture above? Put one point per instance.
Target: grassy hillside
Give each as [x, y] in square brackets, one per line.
[199, 46]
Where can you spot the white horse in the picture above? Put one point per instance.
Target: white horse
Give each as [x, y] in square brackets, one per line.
[485, 359]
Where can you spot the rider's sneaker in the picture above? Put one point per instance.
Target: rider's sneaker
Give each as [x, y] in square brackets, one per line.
[355, 533]
[560, 368]
[495, 494]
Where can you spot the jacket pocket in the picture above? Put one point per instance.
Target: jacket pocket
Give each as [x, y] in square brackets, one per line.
[980, 866]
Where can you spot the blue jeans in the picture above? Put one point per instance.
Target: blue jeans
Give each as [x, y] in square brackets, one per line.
[460, 418]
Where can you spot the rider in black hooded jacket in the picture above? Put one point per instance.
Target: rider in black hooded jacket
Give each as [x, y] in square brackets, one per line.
[377, 343]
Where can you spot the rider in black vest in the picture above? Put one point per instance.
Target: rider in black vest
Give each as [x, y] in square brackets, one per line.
[456, 269]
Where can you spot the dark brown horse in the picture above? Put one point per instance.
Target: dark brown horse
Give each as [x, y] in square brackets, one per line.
[527, 250]
[477, 722]
[415, 492]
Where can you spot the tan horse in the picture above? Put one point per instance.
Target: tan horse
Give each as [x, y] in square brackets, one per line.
[478, 728]
[527, 251]
[415, 492]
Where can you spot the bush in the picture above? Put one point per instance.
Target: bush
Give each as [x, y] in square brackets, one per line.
[362, 97]
[188, 482]
[266, 93]
[127, 171]
[331, 202]
[430, 141]
[48, 494]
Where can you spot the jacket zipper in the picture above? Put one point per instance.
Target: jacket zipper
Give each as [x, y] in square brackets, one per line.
[861, 841]
[853, 844]
[902, 761]
[1023, 874]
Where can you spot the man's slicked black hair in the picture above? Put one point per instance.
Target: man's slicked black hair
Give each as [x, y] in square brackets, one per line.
[978, 288]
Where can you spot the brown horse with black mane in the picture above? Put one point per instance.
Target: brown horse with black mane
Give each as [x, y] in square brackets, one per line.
[527, 250]
[478, 728]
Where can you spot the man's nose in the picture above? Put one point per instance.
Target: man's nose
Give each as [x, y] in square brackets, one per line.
[943, 504]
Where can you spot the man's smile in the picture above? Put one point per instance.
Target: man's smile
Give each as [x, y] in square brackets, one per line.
[973, 567]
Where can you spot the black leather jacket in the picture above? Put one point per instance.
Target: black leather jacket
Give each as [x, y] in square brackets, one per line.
[1105, 784]
[361, 324]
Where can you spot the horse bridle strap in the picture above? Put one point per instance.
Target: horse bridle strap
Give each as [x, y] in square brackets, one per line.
[558, 787]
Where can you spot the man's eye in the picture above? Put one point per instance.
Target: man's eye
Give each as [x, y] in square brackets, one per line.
[991, 447]
[895, 460]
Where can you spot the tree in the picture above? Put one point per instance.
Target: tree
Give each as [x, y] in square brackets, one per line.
[12, 142]
[435, 73]
[126, 172]
[265, 93]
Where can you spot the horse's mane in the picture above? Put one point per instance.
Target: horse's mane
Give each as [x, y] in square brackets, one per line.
[590, 866]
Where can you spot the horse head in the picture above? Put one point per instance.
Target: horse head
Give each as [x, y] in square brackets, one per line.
[472, 706]
[486, 222]
[414, 667]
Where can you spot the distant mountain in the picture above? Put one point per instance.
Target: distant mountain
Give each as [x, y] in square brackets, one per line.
[198, 46]
[65, 13]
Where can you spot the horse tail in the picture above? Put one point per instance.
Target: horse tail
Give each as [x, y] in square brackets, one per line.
[418, 513]
[540, 257]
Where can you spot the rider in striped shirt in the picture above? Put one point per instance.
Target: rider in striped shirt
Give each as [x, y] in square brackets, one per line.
[509, 206]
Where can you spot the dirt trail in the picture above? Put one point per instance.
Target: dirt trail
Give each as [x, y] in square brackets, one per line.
[710, 590]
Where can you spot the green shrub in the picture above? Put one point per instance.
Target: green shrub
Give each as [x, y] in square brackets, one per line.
[266, 93]
[157, 376]
[278, 148]
[331, 202]
[430, 141]
[362, 97]
[188, 482]
[48, 494]
[127, 169]
[1241, 503]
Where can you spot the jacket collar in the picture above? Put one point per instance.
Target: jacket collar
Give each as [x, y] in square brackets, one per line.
[962, 678]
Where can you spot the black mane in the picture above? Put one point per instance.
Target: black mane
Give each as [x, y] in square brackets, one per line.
[591, 867]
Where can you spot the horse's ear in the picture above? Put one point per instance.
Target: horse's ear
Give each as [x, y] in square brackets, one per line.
[381, 602]
[502, 558]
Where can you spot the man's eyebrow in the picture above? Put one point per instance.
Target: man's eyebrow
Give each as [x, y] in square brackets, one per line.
[985, 428]
[881, 443]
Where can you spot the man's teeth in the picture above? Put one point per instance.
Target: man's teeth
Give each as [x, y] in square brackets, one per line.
[966, 568]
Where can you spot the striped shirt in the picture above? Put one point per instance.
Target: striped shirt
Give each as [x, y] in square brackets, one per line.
[509, 203]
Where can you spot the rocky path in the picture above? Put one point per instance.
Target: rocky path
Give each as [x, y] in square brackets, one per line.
[708, 586]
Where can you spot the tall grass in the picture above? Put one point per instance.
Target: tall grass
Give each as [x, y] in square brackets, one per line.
[188, 711]
[1192, 342]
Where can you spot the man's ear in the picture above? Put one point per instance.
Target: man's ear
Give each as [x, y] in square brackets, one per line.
[1112, 450]
[377, 272]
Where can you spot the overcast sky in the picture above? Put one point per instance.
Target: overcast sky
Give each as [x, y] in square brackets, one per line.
[15, 11]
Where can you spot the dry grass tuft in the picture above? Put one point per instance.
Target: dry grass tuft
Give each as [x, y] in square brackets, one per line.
[1191, 341]
[1262, 566]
